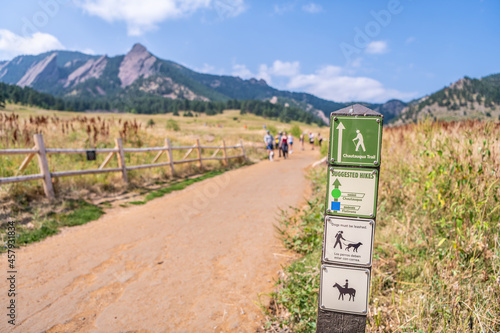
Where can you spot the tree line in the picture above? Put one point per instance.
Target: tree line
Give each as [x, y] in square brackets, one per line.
[142, 103]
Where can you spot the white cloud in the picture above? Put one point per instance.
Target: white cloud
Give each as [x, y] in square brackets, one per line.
[329, 82]
[335, 83]
[12, 45]
[144, 15]
[229, 8]
[283, 8]
[242, 71]
[207, 68]
[278, 69]
[312, 8]
[285, 68]
[377, 47]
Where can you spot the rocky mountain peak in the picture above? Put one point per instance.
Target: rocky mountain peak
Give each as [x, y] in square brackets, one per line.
[260, 82]
[459, 84]
[93, 68]
[138, 62]
[138, 48]
[46, 69]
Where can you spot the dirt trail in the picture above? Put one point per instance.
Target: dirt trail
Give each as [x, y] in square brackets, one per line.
[192, 261]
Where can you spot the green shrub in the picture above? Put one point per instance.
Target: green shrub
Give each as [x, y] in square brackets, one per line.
[296, 131]
[173, 125]
[273, 130]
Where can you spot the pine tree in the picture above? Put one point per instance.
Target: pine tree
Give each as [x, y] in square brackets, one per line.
[2, 99]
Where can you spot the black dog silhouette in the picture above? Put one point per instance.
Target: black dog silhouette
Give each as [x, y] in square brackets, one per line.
[354, 246]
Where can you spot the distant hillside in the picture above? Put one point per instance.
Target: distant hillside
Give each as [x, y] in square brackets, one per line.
[148, 104]
[466, 98]
[88, 80]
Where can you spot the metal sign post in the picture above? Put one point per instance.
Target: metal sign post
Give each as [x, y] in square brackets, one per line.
[350, 219]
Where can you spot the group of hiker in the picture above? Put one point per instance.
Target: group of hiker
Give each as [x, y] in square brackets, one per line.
[311, 140]
[284, 143]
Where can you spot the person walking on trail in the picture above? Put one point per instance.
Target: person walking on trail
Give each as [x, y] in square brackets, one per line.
[290, 142]
[278, 143]
[338, 237]
[301, 139]
[268, 139]
[361, 142]
[320, 139]
[311, 140]
[284, 144]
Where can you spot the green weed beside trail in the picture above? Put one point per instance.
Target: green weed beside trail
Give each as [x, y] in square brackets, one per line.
[80, 212]
[177, 186]
[295, 303]
[437, 240]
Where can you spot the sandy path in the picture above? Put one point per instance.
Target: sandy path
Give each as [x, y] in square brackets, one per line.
[192, 261]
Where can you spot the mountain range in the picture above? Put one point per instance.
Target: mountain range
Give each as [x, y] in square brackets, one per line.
[78, 75]
[139, 73]
[465, 98]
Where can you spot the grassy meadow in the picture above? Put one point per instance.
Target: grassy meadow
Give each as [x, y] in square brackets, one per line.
[98, 130]
[80, 199]
[437, 240]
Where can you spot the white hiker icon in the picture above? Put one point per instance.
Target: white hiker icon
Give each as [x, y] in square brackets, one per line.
[359, 137]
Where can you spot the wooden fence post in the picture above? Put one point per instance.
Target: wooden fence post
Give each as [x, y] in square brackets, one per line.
[243, 150]
[225, 153]
[27, 161]
[44, 166]
[198, 149]
[170, 156]
[157, 157]
[121, 159]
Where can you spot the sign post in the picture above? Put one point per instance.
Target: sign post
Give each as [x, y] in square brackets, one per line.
[350, 219]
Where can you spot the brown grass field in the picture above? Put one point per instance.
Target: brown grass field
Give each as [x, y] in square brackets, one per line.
[98, 130]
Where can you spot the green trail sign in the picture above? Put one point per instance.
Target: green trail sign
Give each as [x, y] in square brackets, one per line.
[352, 192]
[355, 140]
[350, 219]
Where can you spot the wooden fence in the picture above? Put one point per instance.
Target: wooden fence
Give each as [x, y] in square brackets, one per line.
[41, 151]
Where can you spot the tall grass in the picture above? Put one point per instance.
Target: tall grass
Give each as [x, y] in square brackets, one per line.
[95, 131]
[437, 266]
[437, 241]
[78, 130]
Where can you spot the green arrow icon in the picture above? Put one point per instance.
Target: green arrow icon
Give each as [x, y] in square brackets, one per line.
[336, 192]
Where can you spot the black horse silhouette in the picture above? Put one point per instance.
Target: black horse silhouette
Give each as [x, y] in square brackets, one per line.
[343, 291]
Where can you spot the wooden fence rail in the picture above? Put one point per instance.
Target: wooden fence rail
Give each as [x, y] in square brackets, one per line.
[41, 152]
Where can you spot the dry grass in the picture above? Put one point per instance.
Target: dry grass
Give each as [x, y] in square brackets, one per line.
[437, 266]
[437, 241]
[38, 218]
[90, 130]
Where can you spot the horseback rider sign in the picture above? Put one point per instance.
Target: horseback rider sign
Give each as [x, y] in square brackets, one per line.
[348, 241]
[351, 296]
[345, 290]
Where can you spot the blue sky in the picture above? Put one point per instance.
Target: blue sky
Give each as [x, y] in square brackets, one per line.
[339, 50]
